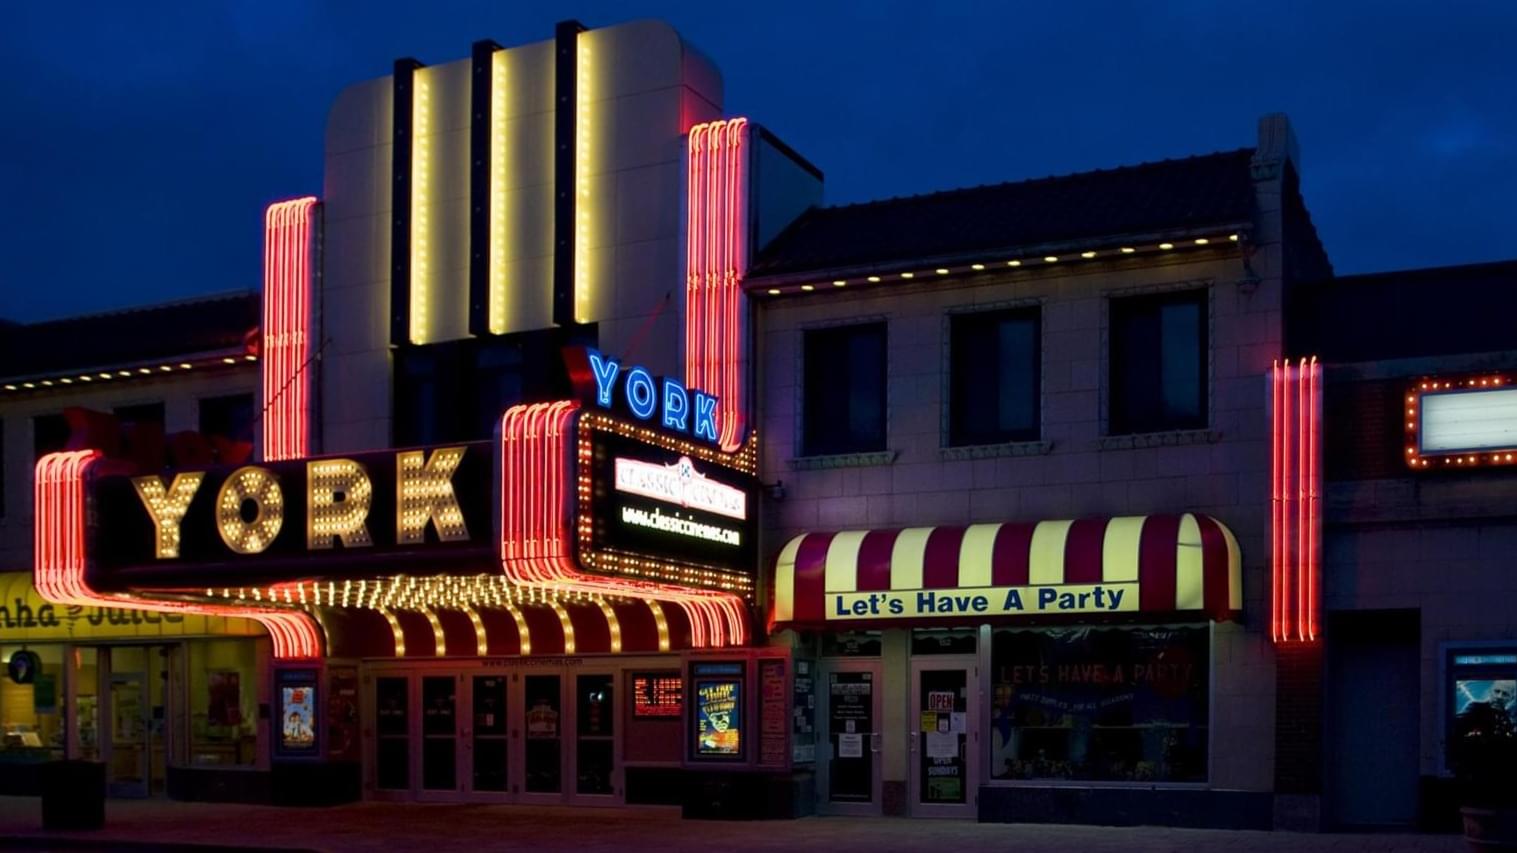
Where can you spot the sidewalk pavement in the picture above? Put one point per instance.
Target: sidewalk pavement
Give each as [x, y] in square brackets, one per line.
[443, 827]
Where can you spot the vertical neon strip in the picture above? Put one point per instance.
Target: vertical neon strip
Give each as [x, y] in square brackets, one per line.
[716, 204]
[1314, 501]
[1296, 500]
[499, 231]
[287, 299]
[421, 203]
[59, 560]
[1274, 501]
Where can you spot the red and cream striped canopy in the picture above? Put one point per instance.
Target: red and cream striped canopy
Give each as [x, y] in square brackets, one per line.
[1164, 564]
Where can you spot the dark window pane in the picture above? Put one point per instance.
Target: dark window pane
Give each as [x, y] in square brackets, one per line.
[49, 434]
[229, 417]
[1158, 362]
[844, 396]
[142, 414]
[994, 377]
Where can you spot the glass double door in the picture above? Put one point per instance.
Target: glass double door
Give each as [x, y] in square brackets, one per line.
[528, 735]
[937, 733]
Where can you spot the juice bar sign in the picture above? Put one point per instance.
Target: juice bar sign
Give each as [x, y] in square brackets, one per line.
[367, 508]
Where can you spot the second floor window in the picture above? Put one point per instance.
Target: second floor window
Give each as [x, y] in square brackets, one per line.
[844, 397]
[993, 377]
[1158, 364]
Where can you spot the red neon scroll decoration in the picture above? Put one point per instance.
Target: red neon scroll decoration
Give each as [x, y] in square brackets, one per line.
[716, 243]
[287, 260]
[59, 560]
[536, 537]
[1296, 500]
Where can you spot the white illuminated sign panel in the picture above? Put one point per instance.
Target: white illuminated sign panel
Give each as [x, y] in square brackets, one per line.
[1459, 421]
[679, 484]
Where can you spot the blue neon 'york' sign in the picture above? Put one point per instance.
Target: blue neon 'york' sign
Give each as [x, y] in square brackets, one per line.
[678, 409]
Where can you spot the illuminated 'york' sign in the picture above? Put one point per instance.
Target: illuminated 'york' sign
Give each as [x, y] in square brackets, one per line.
[678, 409]
[368, 508]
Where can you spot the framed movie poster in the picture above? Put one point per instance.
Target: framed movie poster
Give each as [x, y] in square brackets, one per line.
[295, 691]
[717, 690]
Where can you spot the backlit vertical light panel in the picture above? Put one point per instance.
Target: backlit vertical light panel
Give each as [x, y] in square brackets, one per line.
[289, 256]
[422, 242]
[1296, 500]
[715, 262]
[499, 228]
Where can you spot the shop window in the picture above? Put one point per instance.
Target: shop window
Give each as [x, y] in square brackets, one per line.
[1480, 695]
[229, 417]
[844, 397]
[1113, 704]
[1158, 367]
[223, 680]
[31, 718]
[49, 435]
[993, 377]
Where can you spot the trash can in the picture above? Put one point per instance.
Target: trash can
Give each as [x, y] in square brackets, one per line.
[73, 795]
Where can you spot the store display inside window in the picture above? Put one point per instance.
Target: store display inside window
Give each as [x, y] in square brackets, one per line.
[1110, 704]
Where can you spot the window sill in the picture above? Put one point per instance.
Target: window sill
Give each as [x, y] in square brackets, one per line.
[1169, 438]
[990, 451]
[842, 460]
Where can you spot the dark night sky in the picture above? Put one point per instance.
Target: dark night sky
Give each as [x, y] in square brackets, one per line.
[140, 142]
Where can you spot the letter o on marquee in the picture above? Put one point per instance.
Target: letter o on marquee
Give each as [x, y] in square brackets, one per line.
[642, 396]
[260, 486]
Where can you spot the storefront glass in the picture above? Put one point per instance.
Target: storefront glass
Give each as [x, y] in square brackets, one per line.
[223, 702]
[31, 725]
[1121, 704]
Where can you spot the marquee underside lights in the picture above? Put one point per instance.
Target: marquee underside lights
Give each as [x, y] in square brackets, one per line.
[1296, 500]
[1461, 422]
[790, 285]
[288, 259]
[715, 263]
[537, 547]
[60, 559]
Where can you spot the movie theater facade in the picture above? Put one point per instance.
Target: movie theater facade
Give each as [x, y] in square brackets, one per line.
[599, 464]
[501, 525]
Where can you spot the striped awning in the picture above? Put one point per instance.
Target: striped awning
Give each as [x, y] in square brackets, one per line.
[1161, 564]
